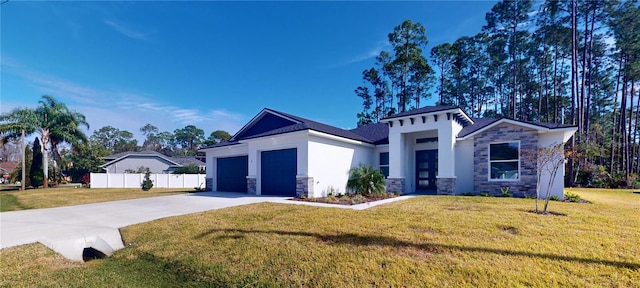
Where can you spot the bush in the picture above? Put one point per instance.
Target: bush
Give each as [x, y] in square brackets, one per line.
[505, 192]
[189, 169]
[572, 197]
[357, 199]
[147, 184]
[366, 180]
[554, 198]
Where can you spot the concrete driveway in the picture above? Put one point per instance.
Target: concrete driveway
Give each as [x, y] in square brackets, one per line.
[69, 230]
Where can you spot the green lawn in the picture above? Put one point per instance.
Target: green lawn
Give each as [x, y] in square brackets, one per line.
[430, 241]
[66, 196]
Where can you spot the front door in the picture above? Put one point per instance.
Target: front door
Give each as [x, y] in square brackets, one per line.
[426, 170]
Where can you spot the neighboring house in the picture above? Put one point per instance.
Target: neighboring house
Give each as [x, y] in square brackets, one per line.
[437, 149]
[6, 168]
[156, 162]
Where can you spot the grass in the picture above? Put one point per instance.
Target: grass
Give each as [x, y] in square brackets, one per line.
[66, 196]
[430, 241]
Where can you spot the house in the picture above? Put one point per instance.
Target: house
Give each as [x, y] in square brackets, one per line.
[436, 149]
[6, 168]
[156, 162]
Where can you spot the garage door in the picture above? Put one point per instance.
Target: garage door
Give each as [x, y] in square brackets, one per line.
[278, 172]
[231, 174]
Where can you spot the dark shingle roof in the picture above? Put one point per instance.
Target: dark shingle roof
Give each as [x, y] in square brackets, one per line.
[478, 123]
[306, 124]
[179, 160]
[377, 133]
[187, 160]
[121, 154]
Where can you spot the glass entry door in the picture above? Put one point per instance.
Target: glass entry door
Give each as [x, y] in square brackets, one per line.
[426, 170]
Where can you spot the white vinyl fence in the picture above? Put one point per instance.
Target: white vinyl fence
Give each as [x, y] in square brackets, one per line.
[124, 180]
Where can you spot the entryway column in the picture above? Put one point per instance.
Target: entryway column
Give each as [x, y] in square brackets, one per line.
[396, 179]
[446, 179]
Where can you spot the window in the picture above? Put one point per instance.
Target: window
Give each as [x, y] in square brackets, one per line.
[384, 163]
[504, 161]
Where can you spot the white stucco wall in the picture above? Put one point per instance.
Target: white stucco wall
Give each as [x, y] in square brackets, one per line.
[330, 161]
[557, 186]
[464, 166]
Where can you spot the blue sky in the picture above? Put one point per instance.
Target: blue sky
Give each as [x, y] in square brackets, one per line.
[210, 64]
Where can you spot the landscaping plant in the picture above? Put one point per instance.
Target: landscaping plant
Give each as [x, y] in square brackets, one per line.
[147, 183]
[366, 180]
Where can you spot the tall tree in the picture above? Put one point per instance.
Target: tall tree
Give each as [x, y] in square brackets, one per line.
[189, 137]
[442, 56]
[407, 40]
[51, 120]
[509, 18]
[150, 141]
[36, 175]
[114, 140]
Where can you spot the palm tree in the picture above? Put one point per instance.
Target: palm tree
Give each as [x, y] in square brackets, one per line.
[52, 121]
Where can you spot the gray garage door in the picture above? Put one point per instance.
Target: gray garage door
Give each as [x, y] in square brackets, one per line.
[232, 173]
[278, 172]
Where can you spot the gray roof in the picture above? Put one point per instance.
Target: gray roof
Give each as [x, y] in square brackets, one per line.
[177, 160]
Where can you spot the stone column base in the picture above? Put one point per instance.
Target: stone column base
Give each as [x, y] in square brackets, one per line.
[208, 184]
[446, 186]
[304, 186]
[395, 185]
[251, 185]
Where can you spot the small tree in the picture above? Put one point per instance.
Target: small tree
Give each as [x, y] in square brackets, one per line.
[147, 183]
[548, 160]
[366, 180]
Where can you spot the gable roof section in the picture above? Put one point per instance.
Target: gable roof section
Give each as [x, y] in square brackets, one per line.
[175, 161]
[270, 122]
[482, 124]
[8, 166]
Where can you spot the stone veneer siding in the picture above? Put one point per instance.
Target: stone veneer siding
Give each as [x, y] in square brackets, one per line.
[251, 185]
[395, 185]
[304, 187]
[446, 186]
[526, 184]
[208, 184]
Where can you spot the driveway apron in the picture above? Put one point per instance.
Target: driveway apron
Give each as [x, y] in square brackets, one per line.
[69, 230]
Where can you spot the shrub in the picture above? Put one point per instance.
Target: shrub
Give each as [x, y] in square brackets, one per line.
[366, 180]
[505, 192]
[200, 188]
[572, 197]
[554, 198]
[147, 183]
[357, 199]
[189, 169]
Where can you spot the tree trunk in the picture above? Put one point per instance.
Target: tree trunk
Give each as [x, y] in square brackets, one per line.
[574, 63]
[45, 158]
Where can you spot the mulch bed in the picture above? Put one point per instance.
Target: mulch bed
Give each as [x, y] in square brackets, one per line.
[346, 199]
